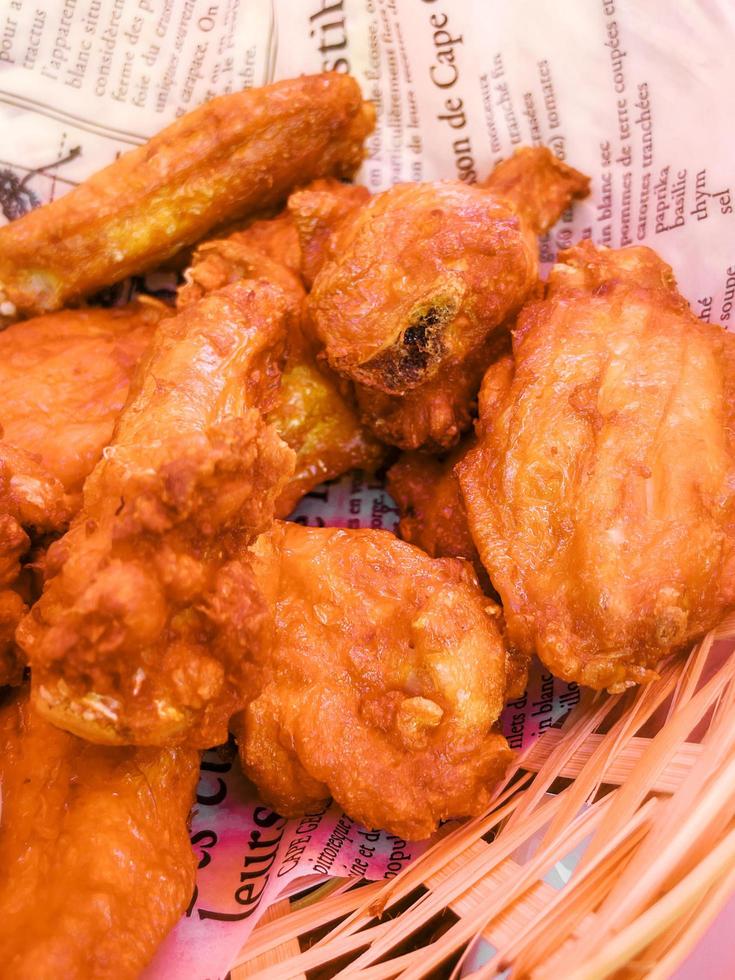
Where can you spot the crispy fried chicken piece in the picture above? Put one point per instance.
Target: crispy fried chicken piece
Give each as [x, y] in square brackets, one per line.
[64, 378]
[417, 281]
[314, 412]
[601, 495]
[235, 155]
[141, 634]
[385, 677]
[97, 864]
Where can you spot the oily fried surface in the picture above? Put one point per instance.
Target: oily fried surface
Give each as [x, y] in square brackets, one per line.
[316, 416]
[600, 495]
[382, 684]
[142, 631]
[314, 411]
[12, 609]
[422, 274]
[416, 283]
[231, 157]
[250, 254]
[94, 846]
[64, 379]
[32, 502]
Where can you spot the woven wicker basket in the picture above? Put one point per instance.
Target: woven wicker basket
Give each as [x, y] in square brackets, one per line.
[646, 779]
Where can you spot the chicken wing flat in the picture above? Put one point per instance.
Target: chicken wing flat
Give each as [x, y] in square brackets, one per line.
[421, 277]
[64, 378]
[233, 156]
[141, 632]
[97, 864]
[601, 495]
[315, 411]
[381, 686]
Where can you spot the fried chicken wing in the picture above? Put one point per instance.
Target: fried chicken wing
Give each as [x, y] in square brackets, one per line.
[314, 413]
[141, 632]
[94, 846]
[601, 495]
[231, 157]
[64, 378]
[418, 280]
[382, 684]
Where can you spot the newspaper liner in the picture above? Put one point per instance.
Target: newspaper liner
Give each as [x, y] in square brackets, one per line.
[638, 97]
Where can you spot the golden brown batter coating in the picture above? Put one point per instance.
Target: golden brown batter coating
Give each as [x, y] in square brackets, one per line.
[314, 412]
[231, 157]
[13, 608]
[248, 254]
[141, 634]
[94, 847]
[433, 518]
[385, 678]
[422, 274]
[601, 495]
[64, 378]
[417, 282]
